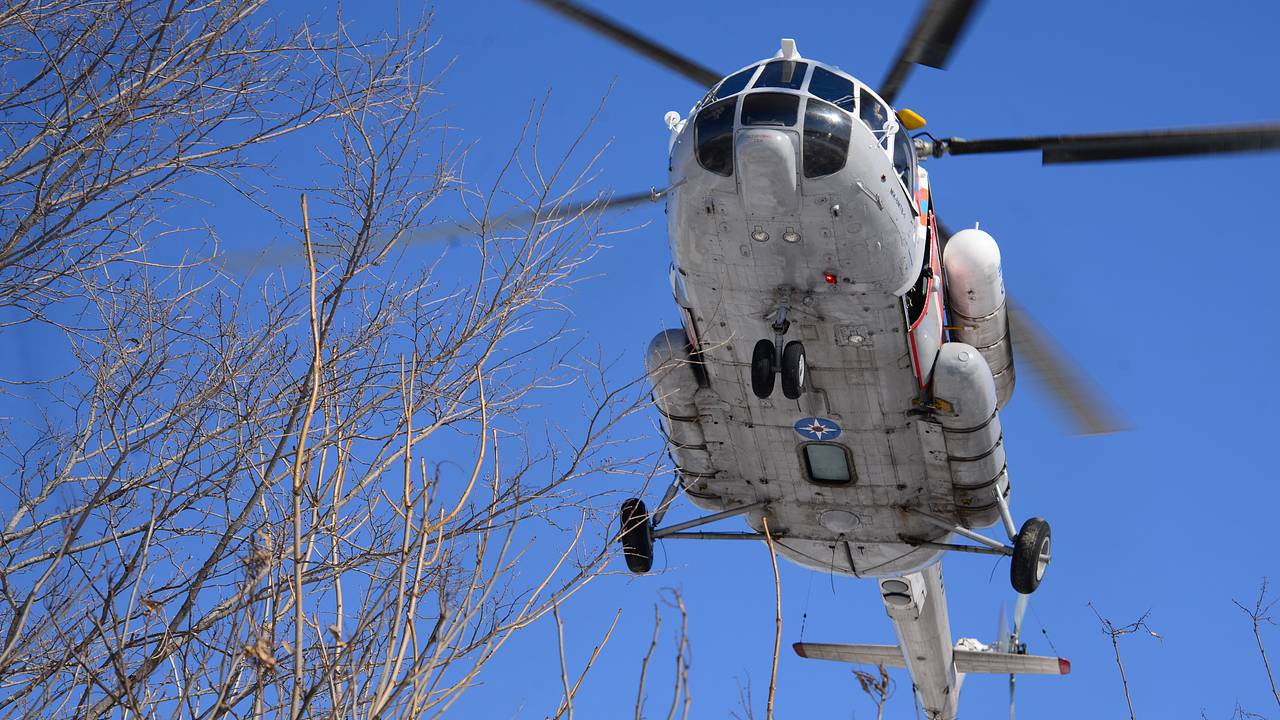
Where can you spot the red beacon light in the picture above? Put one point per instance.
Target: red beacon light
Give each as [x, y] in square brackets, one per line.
[830, 278]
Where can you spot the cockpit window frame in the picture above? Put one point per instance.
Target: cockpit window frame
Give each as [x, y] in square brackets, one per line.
[814, 140]
[723, 169]
[834, 77]
[796, 83]
[717, 92]
[756, 97]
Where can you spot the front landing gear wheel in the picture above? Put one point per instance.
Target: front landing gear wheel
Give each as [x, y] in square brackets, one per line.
[793, 370]
[637, 536]
[762, 374]
[1030, 556]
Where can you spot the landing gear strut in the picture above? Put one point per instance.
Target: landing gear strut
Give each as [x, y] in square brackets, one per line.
[1028, 549]
[639, 530]
[771, 358]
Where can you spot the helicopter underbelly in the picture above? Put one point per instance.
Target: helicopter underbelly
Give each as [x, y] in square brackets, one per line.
[862, 380]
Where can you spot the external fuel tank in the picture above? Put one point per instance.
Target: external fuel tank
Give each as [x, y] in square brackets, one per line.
[976, 299]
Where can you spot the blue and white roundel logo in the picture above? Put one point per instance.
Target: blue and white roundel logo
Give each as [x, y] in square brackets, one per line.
[816, 428]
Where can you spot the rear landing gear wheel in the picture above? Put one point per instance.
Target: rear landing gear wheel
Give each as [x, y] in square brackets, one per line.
[793, 370]
[1030, 556]
[762, 374]
[637, 536]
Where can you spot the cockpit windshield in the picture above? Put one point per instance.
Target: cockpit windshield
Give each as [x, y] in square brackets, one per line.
[734, 84]
[714, 136]
[766, 108]
[826, 138]
[873, 113]
[787, 74]
[836, 90]
[904, 159]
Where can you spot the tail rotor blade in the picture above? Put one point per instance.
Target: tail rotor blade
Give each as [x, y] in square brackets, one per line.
[1002, 631]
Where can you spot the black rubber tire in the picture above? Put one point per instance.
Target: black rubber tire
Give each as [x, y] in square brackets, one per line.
[762, 374]
[1026, 571]
[795, 371]
[637, 536]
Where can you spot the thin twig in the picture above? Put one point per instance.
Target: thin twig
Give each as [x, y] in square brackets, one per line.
[777, 634]
[1115, 632]
[1258, 614]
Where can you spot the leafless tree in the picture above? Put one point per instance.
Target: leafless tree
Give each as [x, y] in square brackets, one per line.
[1115, 632]
[253, 499]
[878, 687]
[1260, 614]
[681, 692]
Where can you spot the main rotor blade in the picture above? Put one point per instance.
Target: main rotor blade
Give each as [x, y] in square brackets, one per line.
[1034, 351]
[937, 30]
[1074, 394]
[1127, 145]
[251, 260]
[696, 72]
[450, 231]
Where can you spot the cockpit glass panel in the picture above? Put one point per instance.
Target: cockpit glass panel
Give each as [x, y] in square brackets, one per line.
[832, 88]
[734, 84]
[826, 138]
[770, 109]
[873, 113]
[904, 159]
[787, 74]
[714, 134]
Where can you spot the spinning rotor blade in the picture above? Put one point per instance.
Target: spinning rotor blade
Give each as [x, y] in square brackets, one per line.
[452, 231]
[1081, 401]
[625, 36]
[250, 260]
[1033, 350]
[1126, 145]
[930, 43]
[1019, 610]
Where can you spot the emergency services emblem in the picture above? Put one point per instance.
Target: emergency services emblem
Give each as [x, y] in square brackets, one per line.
[816, 428]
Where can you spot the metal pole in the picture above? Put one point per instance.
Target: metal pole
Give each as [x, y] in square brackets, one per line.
[1003, 504]
[666, 531]
[965, 532]
[966, 548]
[714, 536]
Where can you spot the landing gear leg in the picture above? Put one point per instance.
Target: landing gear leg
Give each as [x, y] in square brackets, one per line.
[769, 359]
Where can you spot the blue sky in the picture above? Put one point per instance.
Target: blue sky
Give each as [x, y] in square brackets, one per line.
[1156, 276]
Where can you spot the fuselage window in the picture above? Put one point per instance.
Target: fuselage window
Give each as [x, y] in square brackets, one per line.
[734, 84]
[873, 113]
[904, 160]
[827, 463]
[714, 135]
[770, 109]
[831, 87]
[826, 138]
[787, 74]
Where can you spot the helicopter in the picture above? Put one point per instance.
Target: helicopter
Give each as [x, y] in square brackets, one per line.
[843, 357]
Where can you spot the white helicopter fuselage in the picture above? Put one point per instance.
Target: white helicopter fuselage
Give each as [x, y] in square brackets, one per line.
[853, 256]
[896, 436]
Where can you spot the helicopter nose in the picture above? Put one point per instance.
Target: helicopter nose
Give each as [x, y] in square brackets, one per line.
[767, 172]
